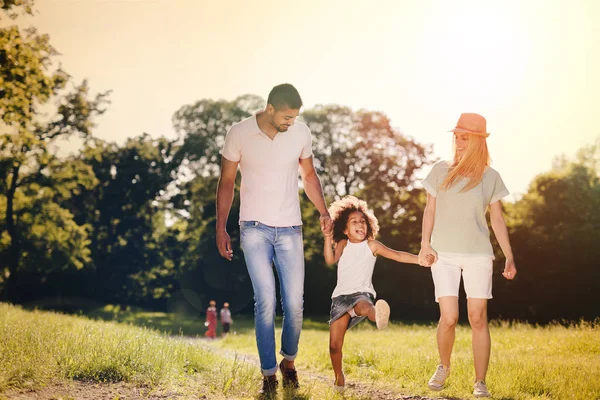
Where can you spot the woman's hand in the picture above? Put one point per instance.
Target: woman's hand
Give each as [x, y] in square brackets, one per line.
[510, 270]
[427, 256]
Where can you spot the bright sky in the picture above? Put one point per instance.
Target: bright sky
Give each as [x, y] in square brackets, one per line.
[530, 67]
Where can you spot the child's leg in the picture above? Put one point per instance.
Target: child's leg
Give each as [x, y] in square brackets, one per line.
[365, 309]
[379, 313]
[337, 331]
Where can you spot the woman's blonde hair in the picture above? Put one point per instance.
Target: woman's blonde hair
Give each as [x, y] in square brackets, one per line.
[471, 165]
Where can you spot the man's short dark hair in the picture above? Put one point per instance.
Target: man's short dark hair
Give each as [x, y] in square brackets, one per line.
[285, 96]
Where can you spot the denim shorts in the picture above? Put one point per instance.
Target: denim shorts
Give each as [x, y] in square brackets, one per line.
[340, 305]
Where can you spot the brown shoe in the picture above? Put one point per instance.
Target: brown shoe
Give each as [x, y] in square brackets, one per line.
[269, 384]
[290, 377]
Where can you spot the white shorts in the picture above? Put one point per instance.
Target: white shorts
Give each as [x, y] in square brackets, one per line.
[476, 271]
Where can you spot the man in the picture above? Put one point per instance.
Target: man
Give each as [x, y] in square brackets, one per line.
[269, 147]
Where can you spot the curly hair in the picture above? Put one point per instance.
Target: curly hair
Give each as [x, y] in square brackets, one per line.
[340, 211]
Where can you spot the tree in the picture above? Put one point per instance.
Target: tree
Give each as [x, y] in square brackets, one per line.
[555, 230]
[11, 8]
[203, 126]
[27, 85]
[134, 254]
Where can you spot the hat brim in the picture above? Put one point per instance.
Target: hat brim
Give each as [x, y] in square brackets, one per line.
[461, 130]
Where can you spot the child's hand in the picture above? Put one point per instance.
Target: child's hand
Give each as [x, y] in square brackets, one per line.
[427, 261]
[327, 230]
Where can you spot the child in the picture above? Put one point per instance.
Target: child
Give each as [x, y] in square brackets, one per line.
[211, 320]
[225, 319]
[353, 232]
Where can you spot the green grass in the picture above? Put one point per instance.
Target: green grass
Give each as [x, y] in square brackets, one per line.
[527, 362]
[150, 349]
[40, 348]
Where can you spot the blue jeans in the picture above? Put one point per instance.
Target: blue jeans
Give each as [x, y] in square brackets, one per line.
[264, 245]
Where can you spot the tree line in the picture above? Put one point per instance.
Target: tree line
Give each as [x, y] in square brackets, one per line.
[134, 223]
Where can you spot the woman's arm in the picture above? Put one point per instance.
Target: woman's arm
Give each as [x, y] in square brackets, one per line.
[501, 232]
[427, 229]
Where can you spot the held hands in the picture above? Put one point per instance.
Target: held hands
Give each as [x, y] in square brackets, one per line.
[510, 270]
[426, 261]
[224, 244]
[326, 225]
[427, 256]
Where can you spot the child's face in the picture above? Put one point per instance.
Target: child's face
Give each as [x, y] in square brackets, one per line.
[356, 227]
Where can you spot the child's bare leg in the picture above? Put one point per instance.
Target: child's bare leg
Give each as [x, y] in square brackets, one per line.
[337, 331]
[365, 309]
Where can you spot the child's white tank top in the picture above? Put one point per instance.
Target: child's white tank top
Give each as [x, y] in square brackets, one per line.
[355, 270]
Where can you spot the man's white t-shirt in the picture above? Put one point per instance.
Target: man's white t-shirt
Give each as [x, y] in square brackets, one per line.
[269, 168]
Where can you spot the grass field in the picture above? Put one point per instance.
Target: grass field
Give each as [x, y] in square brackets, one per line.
[528, 362]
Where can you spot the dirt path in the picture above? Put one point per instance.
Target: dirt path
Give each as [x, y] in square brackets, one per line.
[95, 391]
[358, 389]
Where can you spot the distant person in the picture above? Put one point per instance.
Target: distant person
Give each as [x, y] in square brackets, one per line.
[455, 233]
[226, 320]
[211, 320]
[270, 148]
[351, 243]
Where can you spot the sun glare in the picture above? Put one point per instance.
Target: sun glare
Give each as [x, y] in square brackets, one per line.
[476, 57]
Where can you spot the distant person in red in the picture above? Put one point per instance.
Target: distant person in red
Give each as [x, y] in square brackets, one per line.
[211, 320]
[225, 319]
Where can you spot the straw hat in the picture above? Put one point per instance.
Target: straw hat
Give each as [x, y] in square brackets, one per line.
[471, 123]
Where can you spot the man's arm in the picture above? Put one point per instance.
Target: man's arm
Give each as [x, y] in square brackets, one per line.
[225, 191]
[313, 189]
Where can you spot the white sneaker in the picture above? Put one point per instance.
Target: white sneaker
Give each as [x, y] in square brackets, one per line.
[438, 379]
[382, 314]
[480, 389]
[339, 388]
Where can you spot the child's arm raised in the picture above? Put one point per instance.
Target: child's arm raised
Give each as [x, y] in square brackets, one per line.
[333, 255]
[379, 249]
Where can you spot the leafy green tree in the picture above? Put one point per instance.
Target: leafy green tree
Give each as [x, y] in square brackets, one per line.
[27, 85]
[555, 231]
[134, 253]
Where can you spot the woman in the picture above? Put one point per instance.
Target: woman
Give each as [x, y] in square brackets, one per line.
[455, 232]
[211, 320]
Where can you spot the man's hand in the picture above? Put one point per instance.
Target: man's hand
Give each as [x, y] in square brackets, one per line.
[326, 224]
[224, 244]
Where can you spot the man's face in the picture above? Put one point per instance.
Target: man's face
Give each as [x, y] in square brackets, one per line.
[282, 118]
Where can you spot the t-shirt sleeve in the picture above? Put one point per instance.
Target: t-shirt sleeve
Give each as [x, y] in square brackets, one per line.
[232, 149]
[307, 149]
[500, 191]
[430, 183]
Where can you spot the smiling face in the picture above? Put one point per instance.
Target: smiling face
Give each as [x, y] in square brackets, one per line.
[356, 227]
[281, 119]
[461, 142]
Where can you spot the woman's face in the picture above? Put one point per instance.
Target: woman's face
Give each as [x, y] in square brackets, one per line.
[462, 141]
